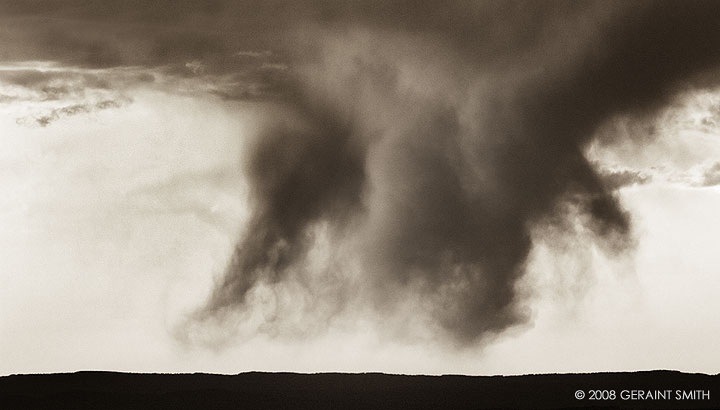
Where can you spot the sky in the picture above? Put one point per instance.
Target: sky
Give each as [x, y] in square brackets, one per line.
[475, 188]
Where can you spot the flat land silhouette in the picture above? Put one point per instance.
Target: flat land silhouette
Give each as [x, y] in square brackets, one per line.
[376, 391]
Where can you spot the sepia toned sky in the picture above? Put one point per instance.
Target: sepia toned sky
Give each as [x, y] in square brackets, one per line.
[477, 188]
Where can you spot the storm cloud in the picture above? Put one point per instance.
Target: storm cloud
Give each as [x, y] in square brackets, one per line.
[427, 140]
[447, 133]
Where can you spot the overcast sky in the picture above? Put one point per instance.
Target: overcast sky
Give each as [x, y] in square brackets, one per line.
[479, 188]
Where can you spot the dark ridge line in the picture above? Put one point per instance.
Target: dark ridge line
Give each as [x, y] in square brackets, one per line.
[283, 373]
[110, 390]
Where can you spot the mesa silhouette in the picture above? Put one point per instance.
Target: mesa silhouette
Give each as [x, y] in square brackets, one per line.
[110, 390]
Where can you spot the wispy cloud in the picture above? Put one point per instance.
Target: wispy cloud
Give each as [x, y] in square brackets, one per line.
[615, 179]
[41, 93]
[254, 54]
[45, 119]
[711, 176]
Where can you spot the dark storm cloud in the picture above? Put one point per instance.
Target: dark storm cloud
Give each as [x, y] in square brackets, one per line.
[430, 137]
[453, 182]
[298, 173]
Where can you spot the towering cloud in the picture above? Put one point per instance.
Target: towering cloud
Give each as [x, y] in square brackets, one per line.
[425, 140]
